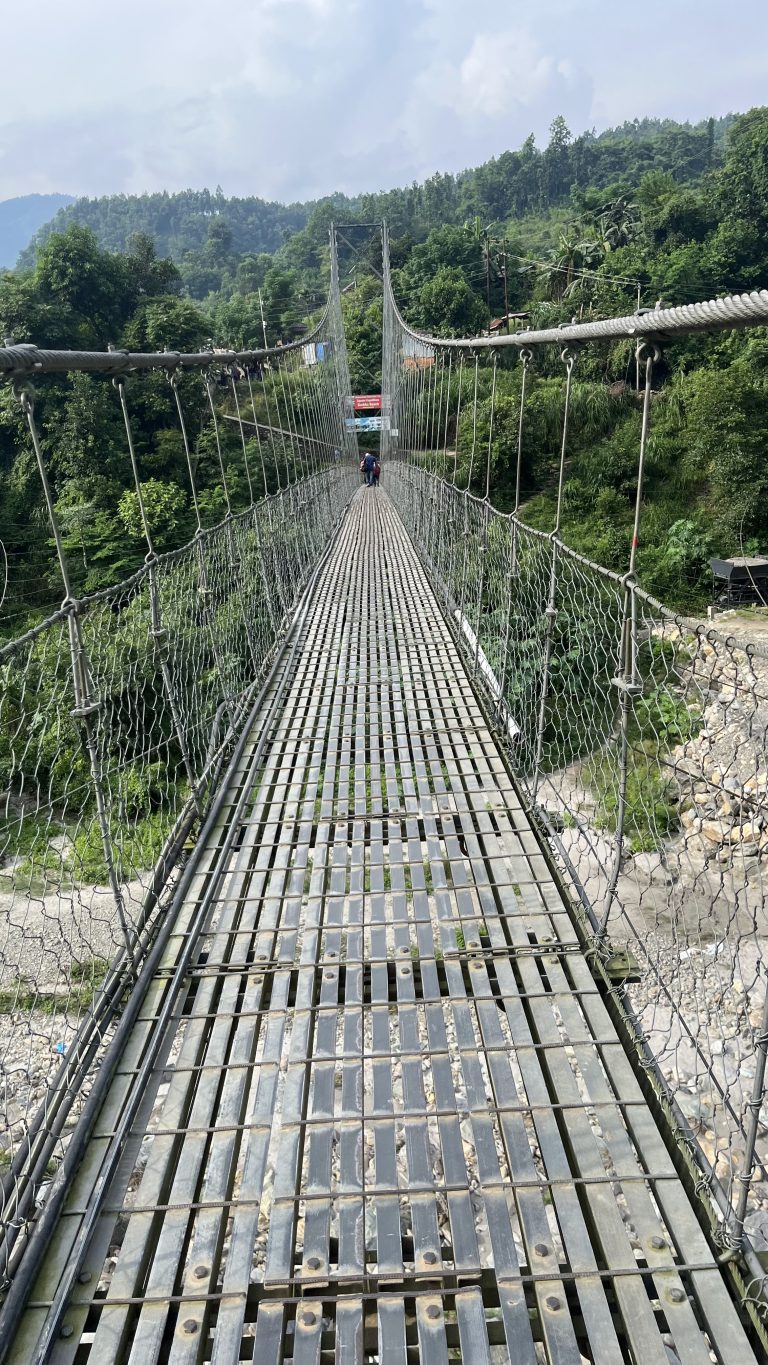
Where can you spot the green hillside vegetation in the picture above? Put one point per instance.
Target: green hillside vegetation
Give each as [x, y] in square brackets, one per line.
[179, 224]
[83, 297]
[680, 211]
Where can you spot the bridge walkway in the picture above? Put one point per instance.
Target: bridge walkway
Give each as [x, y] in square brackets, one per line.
[389, 1116]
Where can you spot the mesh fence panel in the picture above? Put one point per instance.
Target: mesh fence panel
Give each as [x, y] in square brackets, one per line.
[682, 893]
[639, 740]
[165, 708]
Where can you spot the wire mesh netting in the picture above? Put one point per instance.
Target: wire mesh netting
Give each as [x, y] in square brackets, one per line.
[639, 739]
[119, 711]
[683, 888]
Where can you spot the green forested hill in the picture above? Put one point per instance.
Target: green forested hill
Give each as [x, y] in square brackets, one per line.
[178, 223]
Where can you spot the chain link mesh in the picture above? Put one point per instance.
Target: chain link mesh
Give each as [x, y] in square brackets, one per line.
[118, 713]
[683, 891]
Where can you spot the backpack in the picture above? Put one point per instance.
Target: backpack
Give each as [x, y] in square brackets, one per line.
[377, 469]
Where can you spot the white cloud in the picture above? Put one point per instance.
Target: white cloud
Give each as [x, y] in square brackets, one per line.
[293, 98]
[502, 70]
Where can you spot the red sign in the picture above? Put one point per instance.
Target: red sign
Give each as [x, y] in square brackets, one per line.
[367, 402]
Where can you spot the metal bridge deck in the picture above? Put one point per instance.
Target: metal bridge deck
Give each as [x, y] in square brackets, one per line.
[392, 1118]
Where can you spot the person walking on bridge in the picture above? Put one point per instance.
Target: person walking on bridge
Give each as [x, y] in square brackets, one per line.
[367, 465]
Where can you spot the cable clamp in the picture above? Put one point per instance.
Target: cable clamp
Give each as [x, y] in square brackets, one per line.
[630, 689]
[86, 709]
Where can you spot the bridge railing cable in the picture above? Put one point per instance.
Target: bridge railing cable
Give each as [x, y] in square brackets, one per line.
[120, 708]
[638, 736]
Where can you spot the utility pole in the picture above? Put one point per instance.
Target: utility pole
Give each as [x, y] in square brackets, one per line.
[263, 323]
[488, 277]
[504, 276]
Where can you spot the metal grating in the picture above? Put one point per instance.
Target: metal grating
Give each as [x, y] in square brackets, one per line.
[392, 1119]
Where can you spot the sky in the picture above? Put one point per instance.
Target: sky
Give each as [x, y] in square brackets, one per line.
[293, 99]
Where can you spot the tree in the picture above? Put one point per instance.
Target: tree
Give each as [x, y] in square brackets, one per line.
[92, 285]
[238, 322]
[617, 222]
[218, 246]
[167, 325]
[166, 507]
[556, 162]
[744, 181]
[448, 305]
[736, 256]
[363, 316]
[448, 246]
[655, 187]
[574, 253]
[281, 306]
[150, 274]
[559, 134]
[726, 420]
[252, 272]
[684, 216]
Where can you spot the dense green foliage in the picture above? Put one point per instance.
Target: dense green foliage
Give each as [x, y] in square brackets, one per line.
[83, 297]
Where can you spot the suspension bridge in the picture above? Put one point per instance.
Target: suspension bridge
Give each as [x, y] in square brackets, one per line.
[370, 986]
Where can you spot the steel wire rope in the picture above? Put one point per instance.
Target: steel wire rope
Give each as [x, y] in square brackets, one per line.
[465, 500]
[205, 591]
[246, 464]
[273, 429]
[453, 519]
[5, 573]
[627, 682]
[482, 574]
[278, 434]
[442, 486]
[235, 562]
[290, 414]
[568, 358]
[258, 433]
[513, 531]
[437, 413]
[158, 632]
[446, 414]
[208, 386]
[309, 403]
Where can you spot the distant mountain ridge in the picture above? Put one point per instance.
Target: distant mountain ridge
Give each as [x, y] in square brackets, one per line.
[21, 218]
